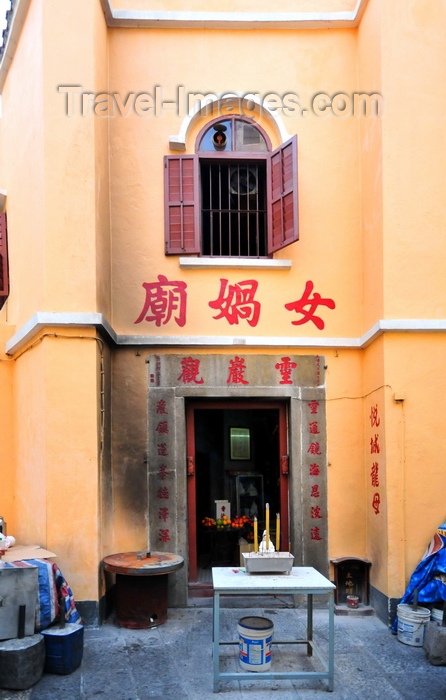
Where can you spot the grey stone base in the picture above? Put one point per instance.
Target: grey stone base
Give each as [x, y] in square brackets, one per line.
[361, 610]
[385, 608]
[435, 643]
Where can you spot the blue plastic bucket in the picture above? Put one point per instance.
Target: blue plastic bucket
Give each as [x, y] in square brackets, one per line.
[64, 647]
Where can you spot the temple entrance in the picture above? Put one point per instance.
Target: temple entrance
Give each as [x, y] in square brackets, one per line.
[243, 444]
[237, 462]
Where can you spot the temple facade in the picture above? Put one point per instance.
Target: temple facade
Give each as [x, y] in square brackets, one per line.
[222, 246]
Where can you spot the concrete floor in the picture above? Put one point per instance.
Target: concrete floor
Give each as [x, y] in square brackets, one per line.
[174, 660]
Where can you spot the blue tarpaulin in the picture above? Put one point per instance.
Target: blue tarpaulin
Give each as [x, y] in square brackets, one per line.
[429, 578]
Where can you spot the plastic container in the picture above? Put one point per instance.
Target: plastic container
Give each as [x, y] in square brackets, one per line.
[437, 615]
[64, 647]
[255, 640]
[412, 624]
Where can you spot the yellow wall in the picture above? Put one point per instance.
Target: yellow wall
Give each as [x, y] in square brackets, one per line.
[419, 435]
[55, 172]
[345, 439]
[371, 169]
[377, 526]
[56, 410]
[56, 166]
[7, 453]
[23, 172]
[413, 139]
[328, 163]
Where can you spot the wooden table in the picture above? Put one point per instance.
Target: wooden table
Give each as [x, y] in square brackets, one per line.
[302, 580]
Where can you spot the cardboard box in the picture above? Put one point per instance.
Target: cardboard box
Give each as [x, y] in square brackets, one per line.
[20, 552]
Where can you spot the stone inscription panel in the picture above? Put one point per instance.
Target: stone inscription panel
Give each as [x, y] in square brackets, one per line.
[237, 370]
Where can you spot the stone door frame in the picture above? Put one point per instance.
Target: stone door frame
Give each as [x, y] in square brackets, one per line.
[167, 472]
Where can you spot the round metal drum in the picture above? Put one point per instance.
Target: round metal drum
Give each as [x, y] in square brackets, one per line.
[141, 586]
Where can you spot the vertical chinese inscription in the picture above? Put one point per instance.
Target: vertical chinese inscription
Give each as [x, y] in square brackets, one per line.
[375, 451]
[163, 495]
[314, 471]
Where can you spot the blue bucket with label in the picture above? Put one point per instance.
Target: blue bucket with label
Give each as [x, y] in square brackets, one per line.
[255, 641]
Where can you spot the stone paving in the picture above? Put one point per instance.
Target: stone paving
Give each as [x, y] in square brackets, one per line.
[174, 662]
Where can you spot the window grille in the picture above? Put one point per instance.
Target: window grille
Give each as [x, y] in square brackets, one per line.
[234, 212]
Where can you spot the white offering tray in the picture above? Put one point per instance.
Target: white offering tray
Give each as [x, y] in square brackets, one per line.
[268, 562]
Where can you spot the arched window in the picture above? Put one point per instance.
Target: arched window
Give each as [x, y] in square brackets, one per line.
[234, 197]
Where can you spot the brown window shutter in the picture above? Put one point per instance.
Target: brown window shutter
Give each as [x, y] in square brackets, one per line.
[283, 223]
[4, 273]
[181, 205]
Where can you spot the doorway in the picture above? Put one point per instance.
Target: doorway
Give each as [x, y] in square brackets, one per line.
[237, 463]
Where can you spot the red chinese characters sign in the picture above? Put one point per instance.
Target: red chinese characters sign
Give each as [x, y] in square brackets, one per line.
[166, 300]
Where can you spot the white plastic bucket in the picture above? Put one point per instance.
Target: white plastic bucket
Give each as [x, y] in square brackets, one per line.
[412, 624]
[255, 640]
[437, 615]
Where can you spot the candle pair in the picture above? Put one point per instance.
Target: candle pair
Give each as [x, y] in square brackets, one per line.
[256, 535]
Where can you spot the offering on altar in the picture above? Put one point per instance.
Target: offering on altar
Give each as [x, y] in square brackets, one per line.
[268, 562]
[266, 558]
[266, 546]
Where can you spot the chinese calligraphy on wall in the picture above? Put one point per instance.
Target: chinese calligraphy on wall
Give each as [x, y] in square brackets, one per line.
[191, 373]
[166, 300]
[314, 472]
[375, 451]
[163, 474]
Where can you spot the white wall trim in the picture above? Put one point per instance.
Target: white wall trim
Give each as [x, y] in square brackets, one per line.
[43, 319]
[15, 25]
[78, 320]
[232, 20]
[201, 263]
[208, 107]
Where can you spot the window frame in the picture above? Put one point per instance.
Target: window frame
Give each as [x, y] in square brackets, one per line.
[182, 225]
[4, 265]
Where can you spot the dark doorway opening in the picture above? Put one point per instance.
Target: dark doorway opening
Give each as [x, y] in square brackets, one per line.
[236, 457]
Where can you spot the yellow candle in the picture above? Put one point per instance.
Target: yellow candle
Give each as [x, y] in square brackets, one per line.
[256, 536]
[267, 527]
[277, 532]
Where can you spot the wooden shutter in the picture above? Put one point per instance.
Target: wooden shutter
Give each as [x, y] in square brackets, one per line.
[283, 224]
[4, 273]
[181, 205]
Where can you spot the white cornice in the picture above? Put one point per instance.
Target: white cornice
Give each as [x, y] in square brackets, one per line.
[82, 320]
[232, 20]
[191, 20]
[43, 319]
[13, 31]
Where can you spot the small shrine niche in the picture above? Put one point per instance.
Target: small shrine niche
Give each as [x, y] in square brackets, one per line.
[352, 580]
